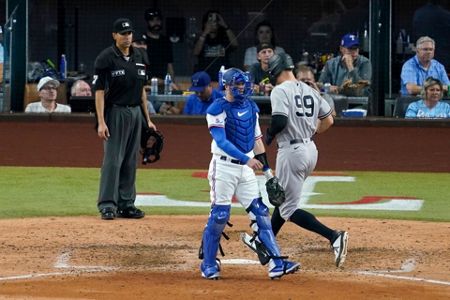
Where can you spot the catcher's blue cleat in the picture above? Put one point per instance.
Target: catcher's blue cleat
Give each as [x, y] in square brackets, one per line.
[210, 272]
[279, 268]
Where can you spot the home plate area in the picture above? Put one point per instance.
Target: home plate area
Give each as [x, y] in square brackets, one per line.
[157, 257]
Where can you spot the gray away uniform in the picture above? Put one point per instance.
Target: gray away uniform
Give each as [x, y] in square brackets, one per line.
[297, 152]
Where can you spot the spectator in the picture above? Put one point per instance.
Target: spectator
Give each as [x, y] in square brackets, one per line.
[198, 103]
[259, 71]
[158, 46]
[348, 67]
[304, 73]
[430, 106]
[416, 69]
[214, 45]
[433, 20]
[47, 88]
[81, 88]
[264, 33]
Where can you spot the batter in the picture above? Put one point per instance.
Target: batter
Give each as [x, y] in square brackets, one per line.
[298, 112]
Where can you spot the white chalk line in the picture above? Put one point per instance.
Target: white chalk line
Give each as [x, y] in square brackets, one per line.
[62, 262]
[408, 266]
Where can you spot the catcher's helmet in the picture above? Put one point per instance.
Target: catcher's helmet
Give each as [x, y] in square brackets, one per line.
[151, 13]
[277, 64]
[235, 76]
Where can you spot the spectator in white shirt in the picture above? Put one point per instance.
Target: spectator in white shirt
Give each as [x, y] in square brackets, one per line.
[264, 34]
[47, 88]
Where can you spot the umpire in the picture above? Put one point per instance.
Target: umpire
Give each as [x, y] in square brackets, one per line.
[121, 103]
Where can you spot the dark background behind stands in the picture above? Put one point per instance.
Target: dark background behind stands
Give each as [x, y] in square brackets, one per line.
[291, 20]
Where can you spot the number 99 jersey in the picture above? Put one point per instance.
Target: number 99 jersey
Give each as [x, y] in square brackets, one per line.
[302, 105]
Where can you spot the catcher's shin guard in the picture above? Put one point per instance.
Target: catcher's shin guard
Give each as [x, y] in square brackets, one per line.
[265, 243]
[217, 220]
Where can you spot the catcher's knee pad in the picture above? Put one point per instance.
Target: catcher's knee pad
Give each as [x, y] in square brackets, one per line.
[261, 225]
[217, 220]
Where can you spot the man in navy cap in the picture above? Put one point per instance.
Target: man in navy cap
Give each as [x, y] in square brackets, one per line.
[348, 66]
[197, 104]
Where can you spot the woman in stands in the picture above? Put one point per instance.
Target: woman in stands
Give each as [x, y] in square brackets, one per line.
[430, 106]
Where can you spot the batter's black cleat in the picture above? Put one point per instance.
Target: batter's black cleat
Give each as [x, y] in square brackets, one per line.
[130, 213]
[108, 213]
[339, 247]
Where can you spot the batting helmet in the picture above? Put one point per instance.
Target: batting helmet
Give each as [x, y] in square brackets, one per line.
[277, 64]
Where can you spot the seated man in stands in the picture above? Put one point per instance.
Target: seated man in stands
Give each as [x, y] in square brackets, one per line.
[259, 71]
[423, 65]
[347, 69]
[198, 103]
[304, 73]
[81, 88]
[431, 106]
[47, 89]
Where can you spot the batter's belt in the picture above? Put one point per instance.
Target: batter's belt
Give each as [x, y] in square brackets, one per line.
[294, 141]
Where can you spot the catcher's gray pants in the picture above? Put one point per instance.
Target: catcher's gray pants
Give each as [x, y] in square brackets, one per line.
[118, 174]
[294, 163]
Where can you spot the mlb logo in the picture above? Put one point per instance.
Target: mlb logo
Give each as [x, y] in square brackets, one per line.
[141, 72]
[125, 25]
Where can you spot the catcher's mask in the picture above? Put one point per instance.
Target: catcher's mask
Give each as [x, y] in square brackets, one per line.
[239, 82]
[277, 64]
[152, 143]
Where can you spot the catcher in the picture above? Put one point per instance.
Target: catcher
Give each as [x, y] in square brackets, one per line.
[237, 150]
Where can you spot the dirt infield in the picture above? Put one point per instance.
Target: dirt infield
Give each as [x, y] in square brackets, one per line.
[156, 257]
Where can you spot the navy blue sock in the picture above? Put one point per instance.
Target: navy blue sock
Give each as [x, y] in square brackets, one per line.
[308, 221]
[277, 221]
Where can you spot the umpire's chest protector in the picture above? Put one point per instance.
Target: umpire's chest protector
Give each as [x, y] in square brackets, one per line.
[240, 124]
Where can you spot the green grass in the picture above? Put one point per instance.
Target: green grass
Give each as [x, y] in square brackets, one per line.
[29, 192]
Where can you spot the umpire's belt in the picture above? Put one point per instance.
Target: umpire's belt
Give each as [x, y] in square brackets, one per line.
[294, 141]
[125, 105]
[233, 161]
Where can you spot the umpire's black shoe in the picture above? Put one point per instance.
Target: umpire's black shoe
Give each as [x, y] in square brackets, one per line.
[108, 213]
[130, 213]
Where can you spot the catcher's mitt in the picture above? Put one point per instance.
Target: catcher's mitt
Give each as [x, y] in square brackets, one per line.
[152, 143]
[275, 192]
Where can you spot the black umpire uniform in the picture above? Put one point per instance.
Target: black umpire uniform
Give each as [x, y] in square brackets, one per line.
[120, 75]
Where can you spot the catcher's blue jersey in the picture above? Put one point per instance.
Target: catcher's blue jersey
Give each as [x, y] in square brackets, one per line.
[239, 121]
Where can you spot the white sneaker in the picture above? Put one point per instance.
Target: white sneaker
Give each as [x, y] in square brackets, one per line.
[339, 247]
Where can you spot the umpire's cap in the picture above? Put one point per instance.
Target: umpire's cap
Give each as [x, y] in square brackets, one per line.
[122, 25]
[277, 64]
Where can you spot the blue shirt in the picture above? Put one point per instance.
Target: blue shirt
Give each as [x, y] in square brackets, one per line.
[195, 106]
[1, 53]
[418, 109]
[413, 72]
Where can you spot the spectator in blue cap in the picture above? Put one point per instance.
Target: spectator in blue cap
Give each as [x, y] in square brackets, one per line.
[198, 103]
[348, 67]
